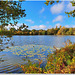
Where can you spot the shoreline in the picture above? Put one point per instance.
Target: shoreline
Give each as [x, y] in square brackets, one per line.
[37, 35]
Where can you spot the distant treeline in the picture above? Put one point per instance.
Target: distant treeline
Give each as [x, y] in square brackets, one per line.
[52, 31]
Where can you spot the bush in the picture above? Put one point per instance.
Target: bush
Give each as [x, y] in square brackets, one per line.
[60, 61]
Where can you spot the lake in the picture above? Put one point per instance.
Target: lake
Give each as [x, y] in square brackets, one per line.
[17, 50]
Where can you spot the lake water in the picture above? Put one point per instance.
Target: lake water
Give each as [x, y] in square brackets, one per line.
[17, 50]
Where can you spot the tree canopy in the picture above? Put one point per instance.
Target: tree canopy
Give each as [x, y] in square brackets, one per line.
[23, 27]
[10, 10]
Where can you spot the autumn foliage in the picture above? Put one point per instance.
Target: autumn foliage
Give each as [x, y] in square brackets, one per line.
[60, 61]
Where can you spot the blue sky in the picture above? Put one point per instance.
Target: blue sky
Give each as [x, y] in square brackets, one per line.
[40, 16]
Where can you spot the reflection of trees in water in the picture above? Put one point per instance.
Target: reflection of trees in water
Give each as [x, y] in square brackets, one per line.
[5, 42]
[1, 60]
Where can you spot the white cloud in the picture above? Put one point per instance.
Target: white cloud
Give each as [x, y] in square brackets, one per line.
[8, 27]
[58, 18]
[42, 26]
[29, 20]
[38, 27]
[47, 22]
[70, 7]
[73, 26]
[42, 10]
[18, 25]
[34, 27]
[67, 26]
[57, 8]
[49, 27]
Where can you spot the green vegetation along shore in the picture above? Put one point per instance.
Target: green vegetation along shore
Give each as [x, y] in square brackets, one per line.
[53, 31]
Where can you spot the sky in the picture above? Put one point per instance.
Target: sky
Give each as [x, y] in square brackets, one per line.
[40, 16]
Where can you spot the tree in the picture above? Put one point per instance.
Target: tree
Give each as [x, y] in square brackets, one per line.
[71, 13]
[33, 30]
[12, 30]
[56, 30]
[71, 31]
[10, 10]
[60, 26]
[62, 31]
[43, 32]
[50, 31]
[23, 27]
[40, 32]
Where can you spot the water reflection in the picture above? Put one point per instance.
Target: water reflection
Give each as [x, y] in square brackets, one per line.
[16, 50]
[5, 42]
[9, 63]
[5, 58]
[1, 60]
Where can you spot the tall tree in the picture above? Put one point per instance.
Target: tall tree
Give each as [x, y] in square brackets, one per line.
[10, 10]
